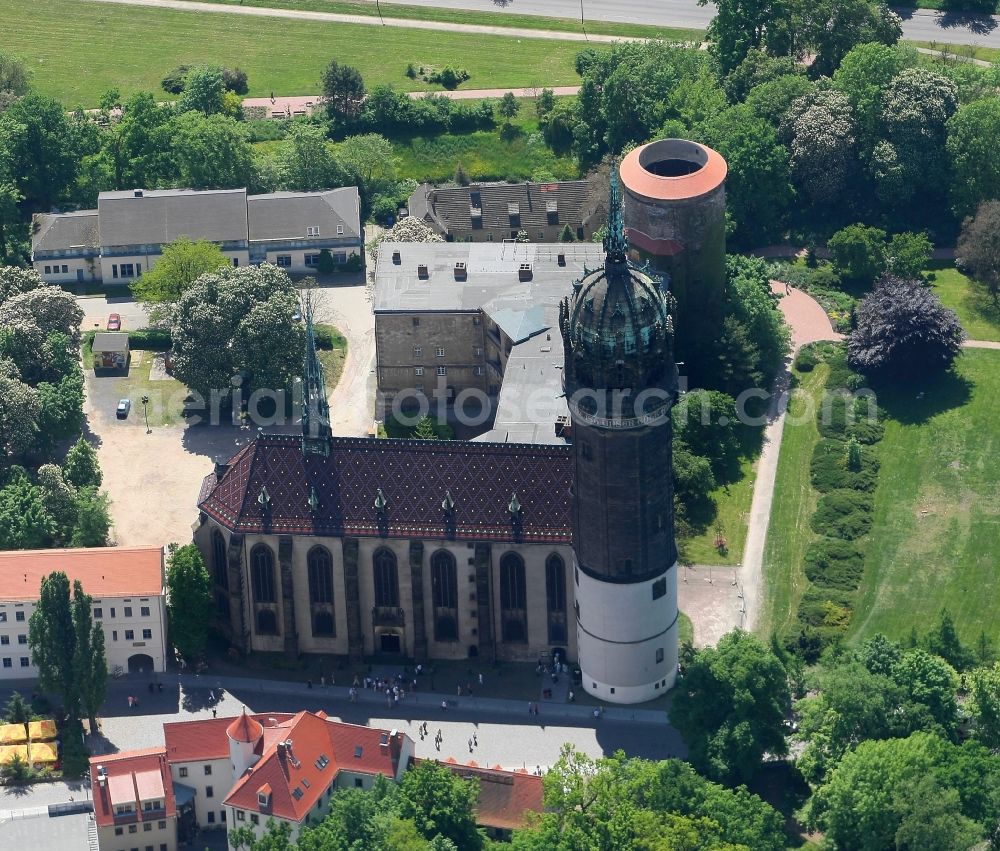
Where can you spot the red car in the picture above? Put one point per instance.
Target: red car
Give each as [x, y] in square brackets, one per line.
[114, 322]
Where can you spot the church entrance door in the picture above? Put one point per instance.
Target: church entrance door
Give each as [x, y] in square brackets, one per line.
[389, 643]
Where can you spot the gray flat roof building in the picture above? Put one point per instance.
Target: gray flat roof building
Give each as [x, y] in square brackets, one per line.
[518, 286]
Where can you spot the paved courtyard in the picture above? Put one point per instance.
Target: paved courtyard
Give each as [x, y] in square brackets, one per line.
[153, 479]
[712, 599]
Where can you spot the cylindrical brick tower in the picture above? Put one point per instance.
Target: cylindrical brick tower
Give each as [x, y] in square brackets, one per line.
[675, 210]
[621, 383]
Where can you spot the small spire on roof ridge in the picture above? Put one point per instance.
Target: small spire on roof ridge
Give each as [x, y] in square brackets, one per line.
[448, 504]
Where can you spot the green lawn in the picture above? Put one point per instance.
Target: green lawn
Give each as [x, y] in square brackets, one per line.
[732, 507]
[333, 359]
[166, 396]
[788, 532]
[60, 39]
[964, 51]
[517, 153]
[937, 506]
[976, 309]
[462, 16]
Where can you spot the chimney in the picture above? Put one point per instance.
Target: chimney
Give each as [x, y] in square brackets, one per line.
[561, 258]
[137, 193]
[524, 272]
[396, 258]
[291, 754]
[220, 468]
[461, 273]
[422, 272]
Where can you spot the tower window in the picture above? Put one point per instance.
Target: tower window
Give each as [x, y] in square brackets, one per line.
[659, 655]
[659, 588]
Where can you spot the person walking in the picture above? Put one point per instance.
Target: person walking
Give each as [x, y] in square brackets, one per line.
[475, 740]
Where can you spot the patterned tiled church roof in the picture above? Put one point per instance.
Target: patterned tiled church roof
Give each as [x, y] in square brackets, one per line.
[395, 488]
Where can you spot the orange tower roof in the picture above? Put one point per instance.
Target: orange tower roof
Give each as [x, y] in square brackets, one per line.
[647, 170]
[245, 729]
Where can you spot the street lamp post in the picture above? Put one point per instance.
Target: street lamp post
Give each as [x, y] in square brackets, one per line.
[379, 8]
[583, 24]
[145, 413]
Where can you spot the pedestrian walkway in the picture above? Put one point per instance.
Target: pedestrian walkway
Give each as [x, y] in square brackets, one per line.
[464, 705]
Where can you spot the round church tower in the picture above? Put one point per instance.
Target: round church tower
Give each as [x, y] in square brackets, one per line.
[621, 383]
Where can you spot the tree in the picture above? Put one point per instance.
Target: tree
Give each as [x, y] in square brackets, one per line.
[60, 414]
[81, 467]
[11, 244]
[566, 234]
[181, 263]
[908, 254]
[370, 157]
[931, 681]
[138, 149]
[903, 330]
[731, 707]
[972, 134]
[864, 75]
[440, 802]
[740, 26]
[509, 107]
[858, 253]
[306, 163]
[978, 248]
[545, 102]
[14, 78]
[17, 710]
[19, 413]
[52, 639]
[557, 127]
[984, 704]
[237, 322]
[461, 176]
[425, 429]
[203, 91]
[823, 149]
[93, 519]
[943, 641]
[343, 93]
[832, 27]
[860, 804]
[59, 499]
[90, 666]
[25, 522]
[706, 421]
[190, 602]
[210, 152]
[932, 819]
[758, 188]
[772, 100]
[916, 106]
[756, 69]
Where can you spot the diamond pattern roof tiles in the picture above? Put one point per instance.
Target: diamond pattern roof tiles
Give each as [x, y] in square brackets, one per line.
[413, 475]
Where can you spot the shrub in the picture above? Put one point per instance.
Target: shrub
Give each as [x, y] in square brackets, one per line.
[175, 79]
[824, 607]
[805, 360]
[235, 80]
[843, 514]
[829, 470]
[823, 277]
[327, 336]
[865, 431]
[834, 563]
[324, 263]
[150, 339]
[831, 418]
[449, 77]
[411, 72]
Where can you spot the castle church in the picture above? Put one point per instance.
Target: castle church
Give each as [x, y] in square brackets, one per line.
[490, 549]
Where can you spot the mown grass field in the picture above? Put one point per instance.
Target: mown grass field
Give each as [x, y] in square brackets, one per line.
[936, 536]
[77, 50]
[978, 312]
[486, 154]
[463, 16]
[732, 508]
[788, 533]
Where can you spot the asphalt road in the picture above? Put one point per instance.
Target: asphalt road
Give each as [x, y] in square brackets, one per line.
[920, 25]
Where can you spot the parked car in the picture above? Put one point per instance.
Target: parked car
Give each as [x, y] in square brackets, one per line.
[124, 406]
[114, 322]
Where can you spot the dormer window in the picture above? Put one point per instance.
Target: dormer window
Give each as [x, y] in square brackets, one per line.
[264, 796]
[313, 230]
[340, 230]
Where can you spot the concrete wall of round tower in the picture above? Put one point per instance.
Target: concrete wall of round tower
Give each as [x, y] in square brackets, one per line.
[675, 215]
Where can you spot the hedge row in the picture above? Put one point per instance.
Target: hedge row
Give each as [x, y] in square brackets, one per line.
[844, 470]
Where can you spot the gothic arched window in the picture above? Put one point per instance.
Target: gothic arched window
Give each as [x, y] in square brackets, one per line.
[555, 598]
[262, 574]
[386, 578]
[444, 587]
[513, 614]
[220, 568]
[320, 575]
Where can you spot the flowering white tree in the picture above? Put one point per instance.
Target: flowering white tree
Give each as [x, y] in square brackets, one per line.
[824, 142]
[409, 229]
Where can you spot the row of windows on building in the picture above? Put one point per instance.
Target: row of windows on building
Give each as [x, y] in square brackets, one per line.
[385, 581]
[147, 827]
[418, 351]
[9, 663]
[284, 261]
[127, 610]
[443, 370]
[54, 270]
[126, 270]
[21, 639]
[19, 616]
